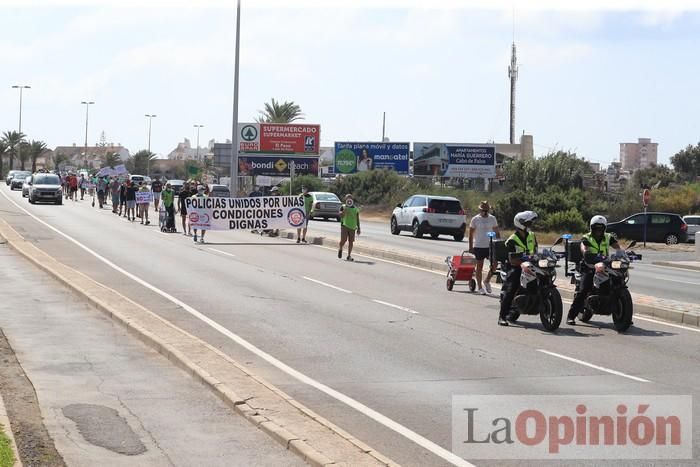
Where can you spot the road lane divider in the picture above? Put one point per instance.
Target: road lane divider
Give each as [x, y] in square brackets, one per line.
[398, 307]
[325, 284]
[597, 367]
[222, 252]
[351, 451]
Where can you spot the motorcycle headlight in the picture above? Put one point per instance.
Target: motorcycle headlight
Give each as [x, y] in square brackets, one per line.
[616, 264]
[543, 263]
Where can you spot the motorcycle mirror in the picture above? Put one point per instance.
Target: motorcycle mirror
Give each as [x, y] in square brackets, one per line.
[632, 243]
[558, 242]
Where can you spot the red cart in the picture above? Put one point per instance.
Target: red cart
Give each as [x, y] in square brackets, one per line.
[461, 268]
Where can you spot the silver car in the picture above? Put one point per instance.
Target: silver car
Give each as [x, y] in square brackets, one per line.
[45, 187]
[18, 179]
[25, 187]
[219, 191]
[325, 205]
[693, 226]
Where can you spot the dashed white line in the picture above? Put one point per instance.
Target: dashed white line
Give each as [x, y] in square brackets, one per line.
[398, 307]
[325, 284]
[597, 367]
[222, 252]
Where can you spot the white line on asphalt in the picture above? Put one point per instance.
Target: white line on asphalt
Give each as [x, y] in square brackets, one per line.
[350, 402]
[222, 252]
[327, 285]
[402, 308]
[679, 326]
[674, 280]
[597, 367]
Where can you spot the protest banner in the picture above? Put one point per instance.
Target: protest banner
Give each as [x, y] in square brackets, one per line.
[264, 212]
[144, 197]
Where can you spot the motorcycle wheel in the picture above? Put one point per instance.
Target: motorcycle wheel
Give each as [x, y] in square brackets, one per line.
[585, 316]
[472, 285]
[552, 312]
[622, 314]
[450, 283]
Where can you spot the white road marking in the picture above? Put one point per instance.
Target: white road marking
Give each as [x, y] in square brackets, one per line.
[325, 284]
[222, 252]
[350, 402]
[597, 367]
[399, 307]
[674, 280]
[656, 321]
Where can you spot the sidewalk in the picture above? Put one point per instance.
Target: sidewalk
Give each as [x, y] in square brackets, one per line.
[106, 398]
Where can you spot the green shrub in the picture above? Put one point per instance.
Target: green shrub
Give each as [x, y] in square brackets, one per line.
[569, 221]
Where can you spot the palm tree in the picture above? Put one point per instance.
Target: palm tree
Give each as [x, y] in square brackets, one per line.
[280, 113]
[3, 150]
[12, 139]
[138, 163]
[111, 159]
[24, 154]
[35, 150]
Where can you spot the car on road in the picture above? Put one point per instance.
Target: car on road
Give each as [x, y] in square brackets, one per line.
[45, 187]
[325, 205]
[18, 179]
[663, 227]
[25, 187]
[693, 226]
[427, 214]
[176, 185]
[137, 179]
[219, 191]
[10, 175]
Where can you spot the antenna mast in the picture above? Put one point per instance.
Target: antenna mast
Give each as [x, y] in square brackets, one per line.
[513, 75]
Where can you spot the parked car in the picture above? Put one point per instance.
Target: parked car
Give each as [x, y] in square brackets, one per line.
[325, 205]
[693, 226]
[137, 179]
[18, 179]
[434, 215]
[45, 187]
[176, 185]
[663, 227]
[219, 191]
[10, 175]
[25, 187]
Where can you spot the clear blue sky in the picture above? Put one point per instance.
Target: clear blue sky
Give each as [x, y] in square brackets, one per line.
[588, 80]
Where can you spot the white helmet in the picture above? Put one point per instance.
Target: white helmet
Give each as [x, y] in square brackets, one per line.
[522, 220]
[601, 220]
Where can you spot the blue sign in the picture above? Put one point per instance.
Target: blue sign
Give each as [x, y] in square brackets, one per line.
[361, 157]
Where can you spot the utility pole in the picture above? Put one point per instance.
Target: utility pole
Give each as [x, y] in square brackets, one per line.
[234, 139]
[198, 127]
[148, 161]
[21, 88]
[513, 75]
[87, 107]
[383, 125]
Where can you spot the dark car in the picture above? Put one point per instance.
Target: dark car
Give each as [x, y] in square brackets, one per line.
[219, 191]
[662, 227]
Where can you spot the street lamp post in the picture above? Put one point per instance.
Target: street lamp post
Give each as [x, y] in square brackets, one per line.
[148, 161]
[198, 127]
[87, 110]
[234, 139]
[21, 88]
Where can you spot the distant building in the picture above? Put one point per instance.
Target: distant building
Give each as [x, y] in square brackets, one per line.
[523, 150]
[77, 157]
[639, 155]
[184, 151]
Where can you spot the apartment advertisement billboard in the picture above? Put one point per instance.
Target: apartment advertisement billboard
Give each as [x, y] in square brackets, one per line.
[454, 160]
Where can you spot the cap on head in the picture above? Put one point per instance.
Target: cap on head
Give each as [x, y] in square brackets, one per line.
[484, 206]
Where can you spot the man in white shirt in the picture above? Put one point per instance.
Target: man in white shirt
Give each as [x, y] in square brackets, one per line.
[479, 227]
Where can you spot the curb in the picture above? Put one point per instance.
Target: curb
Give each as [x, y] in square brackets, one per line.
[643, 305]
[679, 265]
[346, 449]
[7, 429]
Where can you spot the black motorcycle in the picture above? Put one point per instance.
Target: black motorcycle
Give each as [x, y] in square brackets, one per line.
[610, 295]
[537, 294]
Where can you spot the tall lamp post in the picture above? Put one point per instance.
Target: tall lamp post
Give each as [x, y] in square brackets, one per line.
[198, 127]
[87, 110]
[234, 139]
[148, 161]
[21, 88]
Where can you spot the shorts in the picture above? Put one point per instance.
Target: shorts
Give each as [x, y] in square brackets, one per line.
[130, 203]
[156, 196]
[347, 234]
[73, 189]
[183, 211]
[481, 253]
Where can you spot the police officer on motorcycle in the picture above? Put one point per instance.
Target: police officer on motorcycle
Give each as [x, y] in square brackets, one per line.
[522, 242]
[594, 244]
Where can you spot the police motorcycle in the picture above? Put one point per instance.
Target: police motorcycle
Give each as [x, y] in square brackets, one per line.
[537, 294]
[610, 295]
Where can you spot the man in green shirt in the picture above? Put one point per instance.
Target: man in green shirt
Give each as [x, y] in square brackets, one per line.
[308, 205]
[168, 197]
[349, 223]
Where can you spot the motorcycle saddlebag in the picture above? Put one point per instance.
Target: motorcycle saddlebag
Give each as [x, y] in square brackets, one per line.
[573, 252]
[499, 252]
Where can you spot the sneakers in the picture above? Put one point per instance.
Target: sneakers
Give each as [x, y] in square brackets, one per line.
[487, 286]
[502, 322]
[482, 291]
[350, 258]
[340, 254]
[148, 222]
[571, 322]
[303, 240]
[201, 240]
[184, 233]
[195, 238]
[299, 241]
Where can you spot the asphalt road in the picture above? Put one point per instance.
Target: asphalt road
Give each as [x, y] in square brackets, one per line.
[390, 337]
[647, 279]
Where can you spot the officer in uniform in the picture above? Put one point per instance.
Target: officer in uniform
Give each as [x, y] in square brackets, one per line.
[594, 244]
[522, 242]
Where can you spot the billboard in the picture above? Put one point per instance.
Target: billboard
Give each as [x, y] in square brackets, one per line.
[360, 157]
[276, 166]
[454, 160]
[279, 138]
